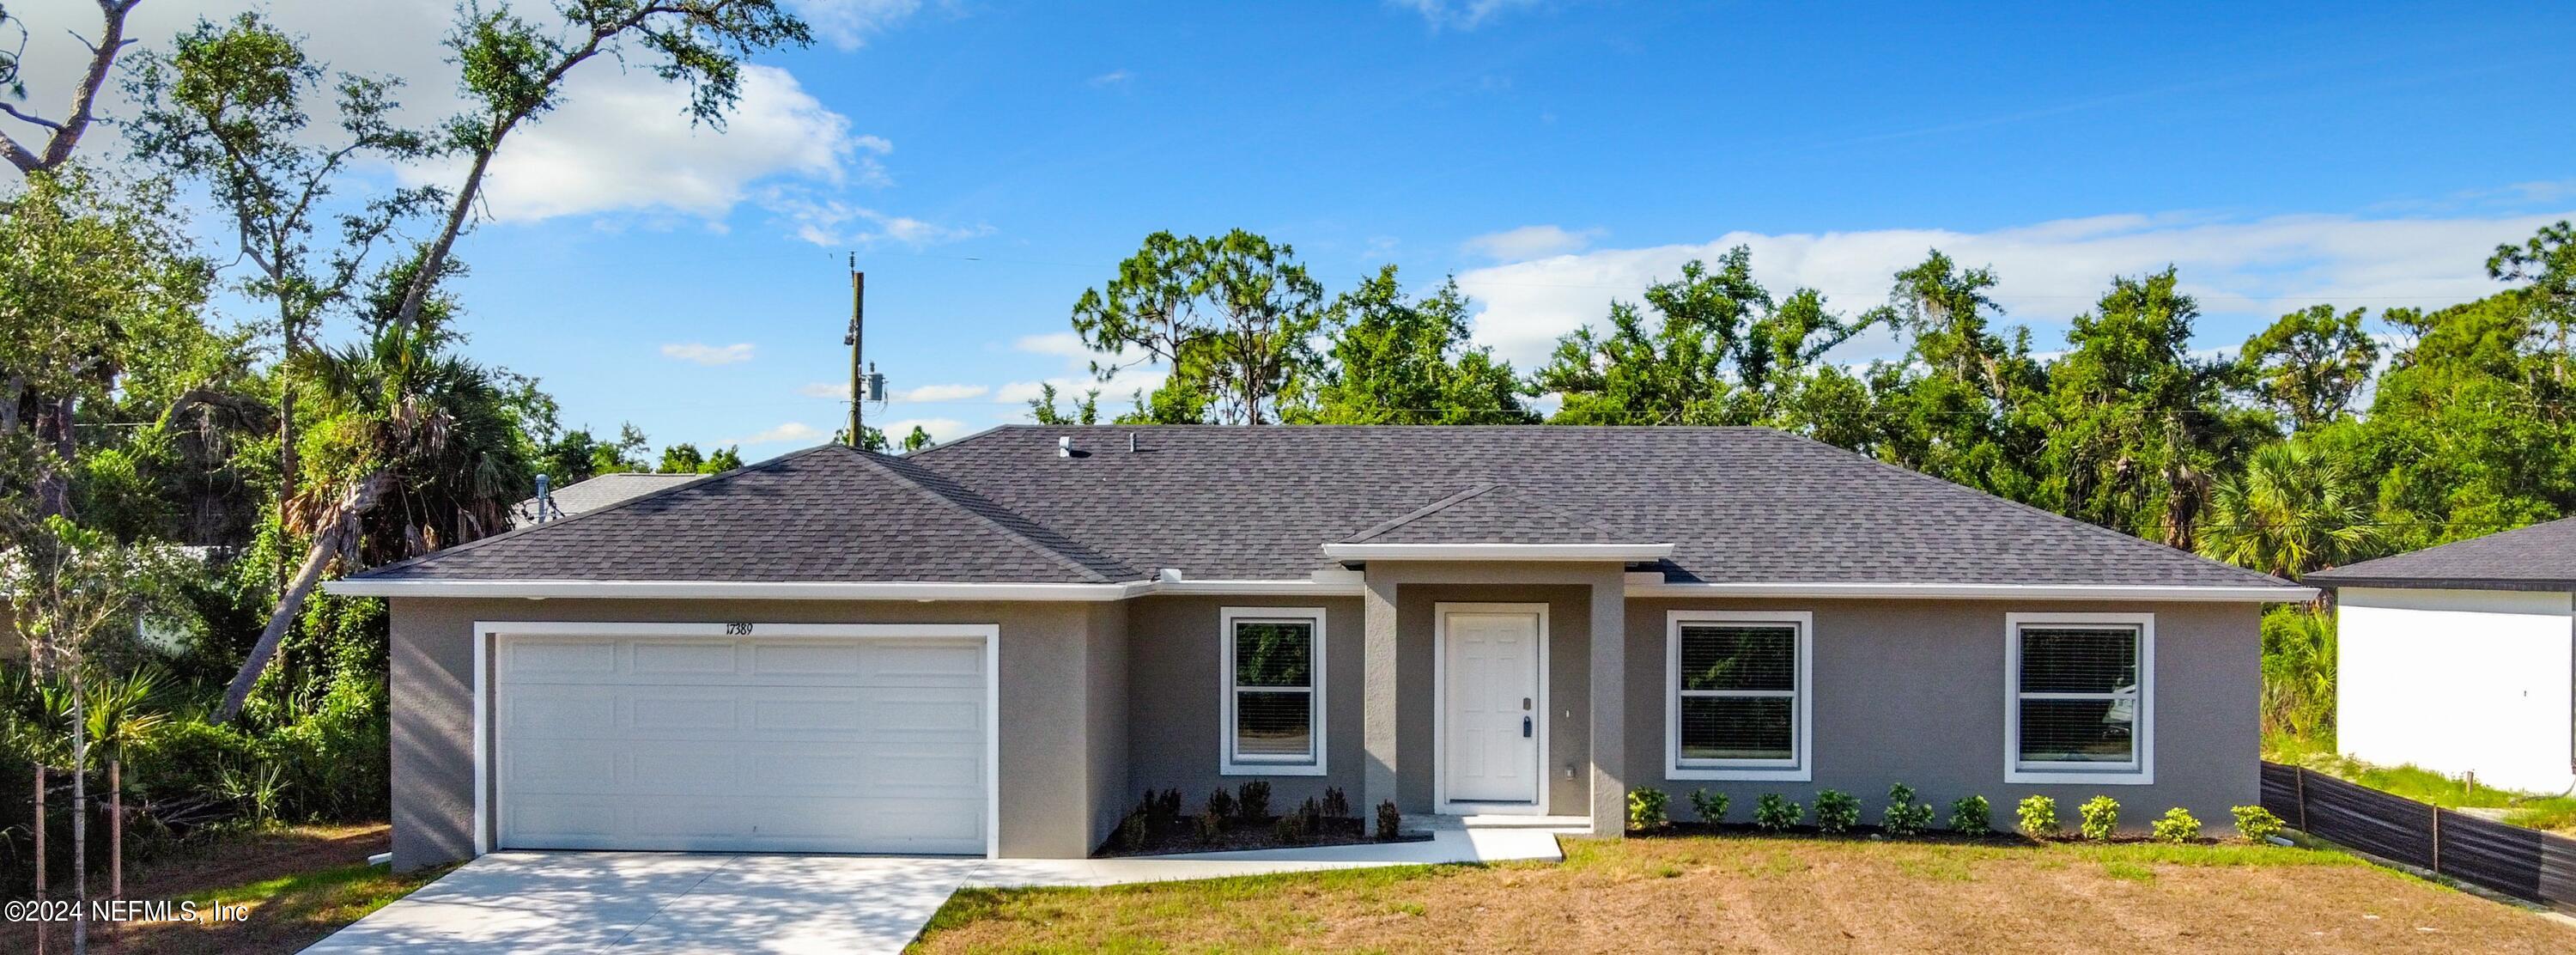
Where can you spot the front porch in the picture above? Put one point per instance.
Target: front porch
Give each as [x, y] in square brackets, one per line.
[1496, 689]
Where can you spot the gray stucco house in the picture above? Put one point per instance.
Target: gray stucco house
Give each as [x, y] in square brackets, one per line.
[992, 646]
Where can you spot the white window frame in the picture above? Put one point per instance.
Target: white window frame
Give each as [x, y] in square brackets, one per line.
[1232, 764]
[2140, 770]
[1800, 767]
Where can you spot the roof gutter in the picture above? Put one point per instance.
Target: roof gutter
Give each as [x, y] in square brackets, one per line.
[1617, 552]
[1323, 584]
[1640, 586]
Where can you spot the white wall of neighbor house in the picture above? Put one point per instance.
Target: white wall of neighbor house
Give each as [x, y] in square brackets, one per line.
[2459, 681]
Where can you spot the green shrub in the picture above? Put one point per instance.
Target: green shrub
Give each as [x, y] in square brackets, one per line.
[2256, 823]
[1168, 804]
[1337, 804]
[1773, 813]
[1291, 829]
[2101, 818]
[1646, 809]
[1390, 822]
[2176, 826]
[1905, 817]
[1971, 816]
[1211, 827]
[1131, 832]
[1252, 800]
[1836, 811]
[1221, 803]
[1710, 806]
[2038, 816]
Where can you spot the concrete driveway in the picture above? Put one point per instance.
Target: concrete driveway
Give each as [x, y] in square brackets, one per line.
[549, 902]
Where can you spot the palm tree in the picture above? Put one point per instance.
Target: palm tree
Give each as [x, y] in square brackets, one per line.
[2291, 511]
[403, 421]
[121, 714]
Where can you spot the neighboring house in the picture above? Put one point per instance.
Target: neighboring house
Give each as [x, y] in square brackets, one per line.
[993, 646]
[596, 493]
[2462, 658]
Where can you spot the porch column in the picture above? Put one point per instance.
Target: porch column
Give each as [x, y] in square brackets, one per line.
[1610, 778]
[1378, 691]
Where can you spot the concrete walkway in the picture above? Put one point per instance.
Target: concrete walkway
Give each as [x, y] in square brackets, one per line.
[561, 902]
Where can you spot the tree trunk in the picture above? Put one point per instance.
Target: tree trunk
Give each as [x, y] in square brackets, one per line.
[360, 500]
[80, 820]
[40, 855]
[54, 475]
[115, 829]
[434, 260]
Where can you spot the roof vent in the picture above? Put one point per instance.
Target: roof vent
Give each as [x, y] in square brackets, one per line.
[1131, 442]
[1064, 446]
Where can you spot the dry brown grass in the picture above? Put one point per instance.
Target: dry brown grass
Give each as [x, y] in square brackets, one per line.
[300, 883]
[1743, 893]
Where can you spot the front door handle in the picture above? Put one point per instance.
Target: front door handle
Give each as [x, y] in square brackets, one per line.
[1525, 727]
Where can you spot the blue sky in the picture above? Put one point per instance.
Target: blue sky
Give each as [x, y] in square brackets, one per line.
[989, 160]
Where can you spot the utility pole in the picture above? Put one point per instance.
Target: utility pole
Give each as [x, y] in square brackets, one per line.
[858, 376]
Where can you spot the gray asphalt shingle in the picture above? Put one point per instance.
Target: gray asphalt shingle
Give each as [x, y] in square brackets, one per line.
[2538, 557]
[1741, 505]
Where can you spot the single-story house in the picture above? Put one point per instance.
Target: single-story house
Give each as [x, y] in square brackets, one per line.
[2462, 658]
[993, 646]
[591, 494]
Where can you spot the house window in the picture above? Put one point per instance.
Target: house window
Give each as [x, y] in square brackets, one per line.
[2079, 702]
[1273, 660]
[1738, 694]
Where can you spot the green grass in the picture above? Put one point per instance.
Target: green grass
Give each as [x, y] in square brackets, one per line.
[2424, 785]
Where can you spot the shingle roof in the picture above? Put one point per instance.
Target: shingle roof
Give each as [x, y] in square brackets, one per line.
[1740, 505]
[1490, 513]
[2538, 557]
[825, 514]
[598, 492]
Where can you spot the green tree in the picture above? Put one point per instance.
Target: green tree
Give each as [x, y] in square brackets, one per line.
[1961, 405]
[92, 272]
[1401, 360]
[2310, 364]
[512, 74]
[2468, 431]
[1721, 350]
[226, 107]
[917, 440]
[405, 420]
[683, 458]
[1043, 410]
[1230, 317]
[69, 588]
[2548, 262]
[727, 458]
[2293, 509]
[2138, 428]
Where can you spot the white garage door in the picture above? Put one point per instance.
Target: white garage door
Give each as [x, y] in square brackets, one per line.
[790, 744]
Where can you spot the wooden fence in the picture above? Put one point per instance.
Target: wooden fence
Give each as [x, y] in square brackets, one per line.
[2523, 863]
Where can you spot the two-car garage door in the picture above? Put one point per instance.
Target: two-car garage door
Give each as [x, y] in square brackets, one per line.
[741, 743]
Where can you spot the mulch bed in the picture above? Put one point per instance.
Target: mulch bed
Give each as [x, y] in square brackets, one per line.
[1241, 834]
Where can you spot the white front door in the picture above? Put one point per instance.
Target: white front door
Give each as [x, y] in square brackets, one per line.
[1491, 710]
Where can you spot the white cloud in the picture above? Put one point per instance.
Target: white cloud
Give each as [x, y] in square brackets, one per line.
[2048, 272]
[834, 223]
[704, 354]
[1066, 345]
[848, 23]
[623, 144]
[1530, 242]
[1069, 389]
[1466, 15]
[942, 430]
[1112, 78]
[833, 390]
[790, 431]
[938, 393]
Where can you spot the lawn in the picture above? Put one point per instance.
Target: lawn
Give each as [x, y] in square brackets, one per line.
[1791, 893]
[300, 883]
[2554, 813]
